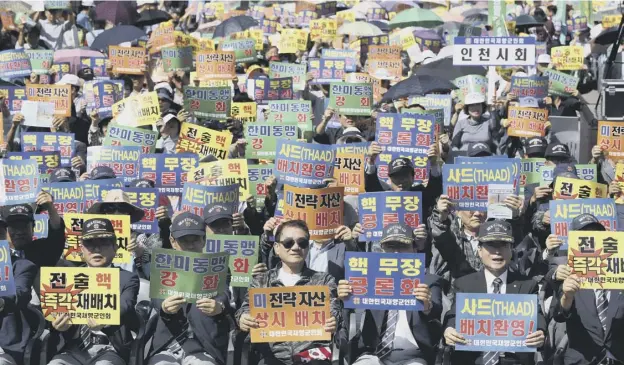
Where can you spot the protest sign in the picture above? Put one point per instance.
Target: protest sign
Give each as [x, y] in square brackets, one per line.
[73, 233]
[119, 135]
[83, 293]
[587, 172]
[40, 60]
[349, 56]
[191, 275]
[577, 24]
[46, 161]
[619, 179]
[96, 190]
[68, 196]
[327, 70]
[559, 83]
[263, 89]
[215, 65]
[535, 87]
[20, 182]
[7, 19]
[611, 139]
[292, 111]
[257, 176]
[567, 57]
[322, 209]
[290, 314]
[177, 59]
[14, 96]
[246, 112]
[124, 160]
[611, 20]
[208, 102]
[570, 188]
[596, 259]
[349, 172]
[384, 52]
[284, 69]
[40, 228]
[196, 197]
[496, 207]
[351, 99]
[420, 165]
[496, 322]
[435, 101]
[305, 17]
[467, 185]
[362, 78]
[366, 42]
[288, 41]
[243, 254]
[127, 60]
[302, 164]
[14, 63]
[406, 133]
[7, 283]
[323, 30]
[530, 171]
[392, 68]
[527, 122]
[162, 37]
[223, 173]
[138, 110]
[105, 95]
[269, 26]
[98, 64]
[494, 51]
[37, 113]
[169, 172]
[345, 16]
[360, 148]
[60, 95]
[203, 141]
[244, 49]
[47, 141]
[148, 200]
[377, 210]
[470, 84]
[262, 139]
[384, 280]
[562, 212]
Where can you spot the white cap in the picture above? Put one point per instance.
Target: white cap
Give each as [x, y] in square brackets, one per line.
[70, 79]
[163, 85]
[521, 74]
[382, 74]
[543, 58]
[474, 98]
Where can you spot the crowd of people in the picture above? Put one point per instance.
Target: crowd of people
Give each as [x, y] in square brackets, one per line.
[466, 250]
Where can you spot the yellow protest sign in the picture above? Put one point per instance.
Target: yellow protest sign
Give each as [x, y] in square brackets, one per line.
[288, 41]
[223, 173]
[204, 141]
[137, 110]
[570, 188]
[82, 292]
[619, 178]
[162, 37]
[60, 95]
[407, 40]
[245, 112]
[609, 21]
[302, 39]
[568, 57]
[323, 29]
[345, 16]
[349, 172]
[595, 258]
[73, 231]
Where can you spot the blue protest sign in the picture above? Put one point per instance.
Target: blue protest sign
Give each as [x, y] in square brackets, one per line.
[148, 200]
[302, 164]
[13, 97]
[384, 281]
[465, 160]
[105, 94]
[40, 229]
[20, 180]
[265, 89]
[168, 172]
[47, 161]
[196, 198]
[377, 210]
[435, 101]
[496, 322]
[349, 56]
[47, 141]
[14, 63]
[124, 160]
[562, 212]
[94, 190]
[98, 64]
[69, 197]
[7, 285]
[327, 70]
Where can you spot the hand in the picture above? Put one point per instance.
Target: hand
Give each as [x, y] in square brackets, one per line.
[421, 232]
[77, 162]
[251, 202]
[614, 188]
[132, 245]
[309, 76]
[373, 151]
[444, 139]
[209, 307]
[162, 213]
[95, 118]
[18, 118]
[58, 122]
[546, 218]
[172, 304]
[574, 93]
[357, 231]
[423, 293]
[505, 123]
[343, 233]
[452, 337]
[513, 202]
[259, 269]
[271, 184]
[535, 339]
[246, 322]
[238, 222]
[344, 289]
[330, 325]
[548, 100]
[183, 116]
[444, 207]
[596, 152]
[34, 78]
[432, 153]
[541, 192]
[270, 226]
[241, 142]
[459, 107]
[93, 325]
[235, 80]
[84, 177]
[62, 322]
[328, 114]
[562, 272]
[571, 285]
[44, 200]
[553, 242]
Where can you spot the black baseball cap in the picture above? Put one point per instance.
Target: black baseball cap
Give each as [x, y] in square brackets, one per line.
[62, 174]
[141, 183]
[495, 231]
[557, 150]
[586, 222]
[217, 211]
[97, 228]
[187, 223]
[400, 164]
[536, 146]
[18, 212]
[565, 170]
[86, 74]
[478, 149]
[102, 172]
[397, 233]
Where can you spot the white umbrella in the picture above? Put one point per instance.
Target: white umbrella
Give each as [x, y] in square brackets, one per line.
[360, 29]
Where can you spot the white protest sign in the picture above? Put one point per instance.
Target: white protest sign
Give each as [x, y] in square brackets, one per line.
[37, 113]
[494, 51]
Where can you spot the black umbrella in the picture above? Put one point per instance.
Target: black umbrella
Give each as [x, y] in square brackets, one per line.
[418, 85]
[116, 12]
[607, 36]
[233, 25]
[444, 69]
[116, 35]
[382, 25]
[151, 17]
[527, 21]
[475, 19]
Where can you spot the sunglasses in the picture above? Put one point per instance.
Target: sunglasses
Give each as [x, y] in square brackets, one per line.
[114, 208]
[303, 243]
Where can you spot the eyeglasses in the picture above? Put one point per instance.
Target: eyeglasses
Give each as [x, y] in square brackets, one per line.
[288, 243]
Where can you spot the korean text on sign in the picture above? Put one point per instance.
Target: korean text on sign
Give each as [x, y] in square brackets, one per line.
[258, 174]
[527, 122]
[148, 200]
[322, 209]
[597, 258]
[119, 135]
[349, 172]
[570, 188]
[195, 197]
[384, 280]
[211, 102]
[377, 210]
[243, 252]
[73, 229]
[20, 181]
[303, 164]
[68, 196]
[96, 190]
[223, 173]
[262, 138]
[7, 284]
[351, 99]
[215, 65]
[60, 95]
[14, 64]
[494, 51]
[124, 160]
[562, 212]
[203, 141]
[611, 139]
[127, 60]
[169, 172]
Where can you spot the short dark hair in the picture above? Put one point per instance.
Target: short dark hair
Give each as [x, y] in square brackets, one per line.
[297, 223]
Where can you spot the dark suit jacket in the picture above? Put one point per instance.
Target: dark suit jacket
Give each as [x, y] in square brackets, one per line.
[426, 328]
[475, 283]
[584, 328]
[14, 328]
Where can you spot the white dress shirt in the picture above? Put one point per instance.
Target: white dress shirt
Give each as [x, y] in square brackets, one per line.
[317, 256]
[405, 346]
[489, 280]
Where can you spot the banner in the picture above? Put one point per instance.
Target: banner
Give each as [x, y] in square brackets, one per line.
[244, 49]
[284, 69]
[595, 257]
[177, 59]
[405, 133]
[530, 171]
[40, 60]
[494, 51]
[223, 173]
[611, 139]
[559, 83]
[119, 135]
[168, 172]
[124, 160]
[68, 196]
[496, 322]
[195, 197]
[98, 64]
[257, 176]
[529, 87]
[138, 110]
[384, 281]
[82, 292]
[527, 122]
[327, 70]
[13, 97]
[303, 164]
[243, 253]
[215, 65]
[470, 84]
[435, 101]
[322, 209]
[60, 95]
[7, 283]
[14, 64]
[246, 112]
[262, 139]
[73, 235]
[203, 141]
[351, 99]
[147, 199]
[290, 314]
[292, 111]
[20, 180]
[378, 210]
[570, 188]
[349, 172]
[566, 58]
[467, 185]
[562, 212]
[127, 60]
[192, 275]
[208, 102]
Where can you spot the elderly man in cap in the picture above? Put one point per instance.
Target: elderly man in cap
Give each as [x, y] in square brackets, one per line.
[349, 125]
[399, 336]
[62, 174]
[495, 251]
[94, 343]
[169, 127]
[557, 153]
[188, 333]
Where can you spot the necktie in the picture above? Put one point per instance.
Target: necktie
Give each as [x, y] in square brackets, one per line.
[386, 343]
[602, 304]
[85, 337]
[493, 357]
